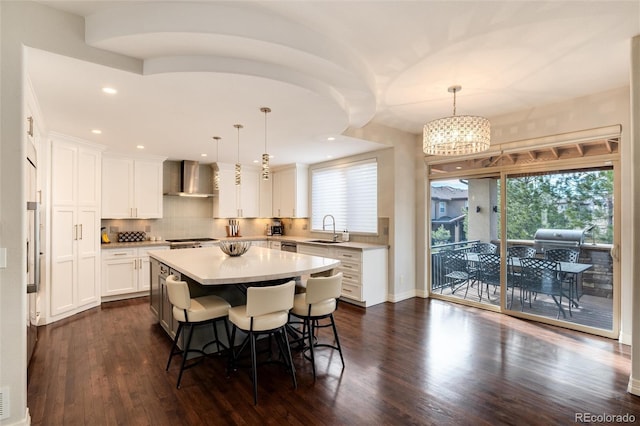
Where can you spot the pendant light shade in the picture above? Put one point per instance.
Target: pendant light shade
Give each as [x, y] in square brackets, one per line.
[265, 156]
[238, 169]
[458, 134]
[216, 173]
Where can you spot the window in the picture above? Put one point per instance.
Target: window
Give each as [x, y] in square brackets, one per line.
[443, 206]
[349, 193]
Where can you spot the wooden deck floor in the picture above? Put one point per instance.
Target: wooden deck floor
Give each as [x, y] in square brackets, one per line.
[419, 361]
[592, 311]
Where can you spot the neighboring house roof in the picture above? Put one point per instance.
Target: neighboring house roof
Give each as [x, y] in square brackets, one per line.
[448, 193]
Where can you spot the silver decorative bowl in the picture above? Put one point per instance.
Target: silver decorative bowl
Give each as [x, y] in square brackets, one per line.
[234, 248]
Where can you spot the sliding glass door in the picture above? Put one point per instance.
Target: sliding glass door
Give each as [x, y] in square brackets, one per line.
[566, 220]
[530, 233]
[464, 225]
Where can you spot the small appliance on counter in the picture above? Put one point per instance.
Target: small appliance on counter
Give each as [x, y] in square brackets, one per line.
[277, 228]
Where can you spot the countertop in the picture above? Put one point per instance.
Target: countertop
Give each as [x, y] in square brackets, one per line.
[298, 240]
[210, 266]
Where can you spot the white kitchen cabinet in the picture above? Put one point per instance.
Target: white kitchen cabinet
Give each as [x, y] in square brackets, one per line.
[290, 192]
[260, 243]
[364, 272]
[275, 245]
[126, 272]
[237, 200]
[75, 227]
[131, 187]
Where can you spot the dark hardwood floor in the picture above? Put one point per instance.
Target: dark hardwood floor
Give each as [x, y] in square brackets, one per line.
[414, 362]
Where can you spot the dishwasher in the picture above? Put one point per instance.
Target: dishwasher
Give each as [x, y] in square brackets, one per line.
[289, 246]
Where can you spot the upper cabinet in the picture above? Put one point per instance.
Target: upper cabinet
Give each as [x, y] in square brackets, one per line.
[291, 191]
[131, 187]
[237, 200]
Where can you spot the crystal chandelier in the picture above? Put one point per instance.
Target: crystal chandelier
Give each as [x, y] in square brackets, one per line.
[216, 172]
[458, 134]
[265, 156]
[238, 169]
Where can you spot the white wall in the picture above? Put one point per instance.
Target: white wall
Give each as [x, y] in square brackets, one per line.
[397, 200]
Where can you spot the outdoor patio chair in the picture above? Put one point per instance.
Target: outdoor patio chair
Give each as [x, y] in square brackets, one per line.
[541, 276]
[570, 280]
[456, 268]
[521, 251]
[484, 248]
[488, 272]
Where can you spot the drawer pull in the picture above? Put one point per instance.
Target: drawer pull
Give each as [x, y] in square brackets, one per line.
[347, 290]
[347, 255]
[120, 254]
[348, 276]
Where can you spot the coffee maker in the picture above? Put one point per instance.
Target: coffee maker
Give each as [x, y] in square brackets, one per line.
[277, 228]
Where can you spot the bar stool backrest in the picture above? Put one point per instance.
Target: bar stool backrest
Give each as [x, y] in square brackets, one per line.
[270, 299]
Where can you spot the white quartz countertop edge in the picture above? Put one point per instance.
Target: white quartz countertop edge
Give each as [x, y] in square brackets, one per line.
[209, 266]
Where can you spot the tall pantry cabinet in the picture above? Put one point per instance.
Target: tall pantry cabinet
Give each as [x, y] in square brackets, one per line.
[75, 226]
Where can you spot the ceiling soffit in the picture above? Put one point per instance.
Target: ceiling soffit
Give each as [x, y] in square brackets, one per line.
[206, 37]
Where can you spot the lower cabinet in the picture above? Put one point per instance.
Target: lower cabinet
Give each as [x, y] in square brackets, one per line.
[364, 271]
[126, 272]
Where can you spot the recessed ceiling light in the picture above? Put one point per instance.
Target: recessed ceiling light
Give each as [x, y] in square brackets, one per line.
[96, 131]
[203, 155]
[140, 146]
[329, 156]
[109, 90]
[458, 167]
[331, 138]
[256, 161]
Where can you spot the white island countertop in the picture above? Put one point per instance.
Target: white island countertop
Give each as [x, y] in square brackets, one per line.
[210, 266]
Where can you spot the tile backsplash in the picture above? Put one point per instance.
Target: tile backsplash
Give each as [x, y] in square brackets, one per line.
[192, 217]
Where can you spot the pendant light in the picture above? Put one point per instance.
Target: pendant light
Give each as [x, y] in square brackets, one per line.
[238, 166]
[216, 172]
[265, 156]
[458, 134]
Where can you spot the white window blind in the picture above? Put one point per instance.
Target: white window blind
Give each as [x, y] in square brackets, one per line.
[347, 192]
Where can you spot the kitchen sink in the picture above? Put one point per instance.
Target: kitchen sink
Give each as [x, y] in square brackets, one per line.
[324, 241]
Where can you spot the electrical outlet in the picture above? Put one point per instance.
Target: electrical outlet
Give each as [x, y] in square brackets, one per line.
[147, 228]
[114, 229]
[305, 227]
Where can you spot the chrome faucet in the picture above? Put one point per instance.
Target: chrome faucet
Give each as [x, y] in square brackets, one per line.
[333, 219]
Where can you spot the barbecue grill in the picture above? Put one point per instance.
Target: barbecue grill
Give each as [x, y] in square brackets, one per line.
[547, 239]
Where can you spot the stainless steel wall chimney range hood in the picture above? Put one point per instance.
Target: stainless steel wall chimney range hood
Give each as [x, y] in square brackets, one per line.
[183, 179]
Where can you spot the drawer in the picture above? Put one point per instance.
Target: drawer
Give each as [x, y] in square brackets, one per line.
[351, 291]
[350, 277]
[350, 266]
[347, 255]
[119, 253]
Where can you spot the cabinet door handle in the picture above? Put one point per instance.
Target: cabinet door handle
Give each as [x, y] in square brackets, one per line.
[30, 129]
[80, 231]
[75, 232]
[135, 263]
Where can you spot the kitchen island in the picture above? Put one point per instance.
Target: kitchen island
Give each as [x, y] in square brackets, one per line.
[209, 271]
[210, 266]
